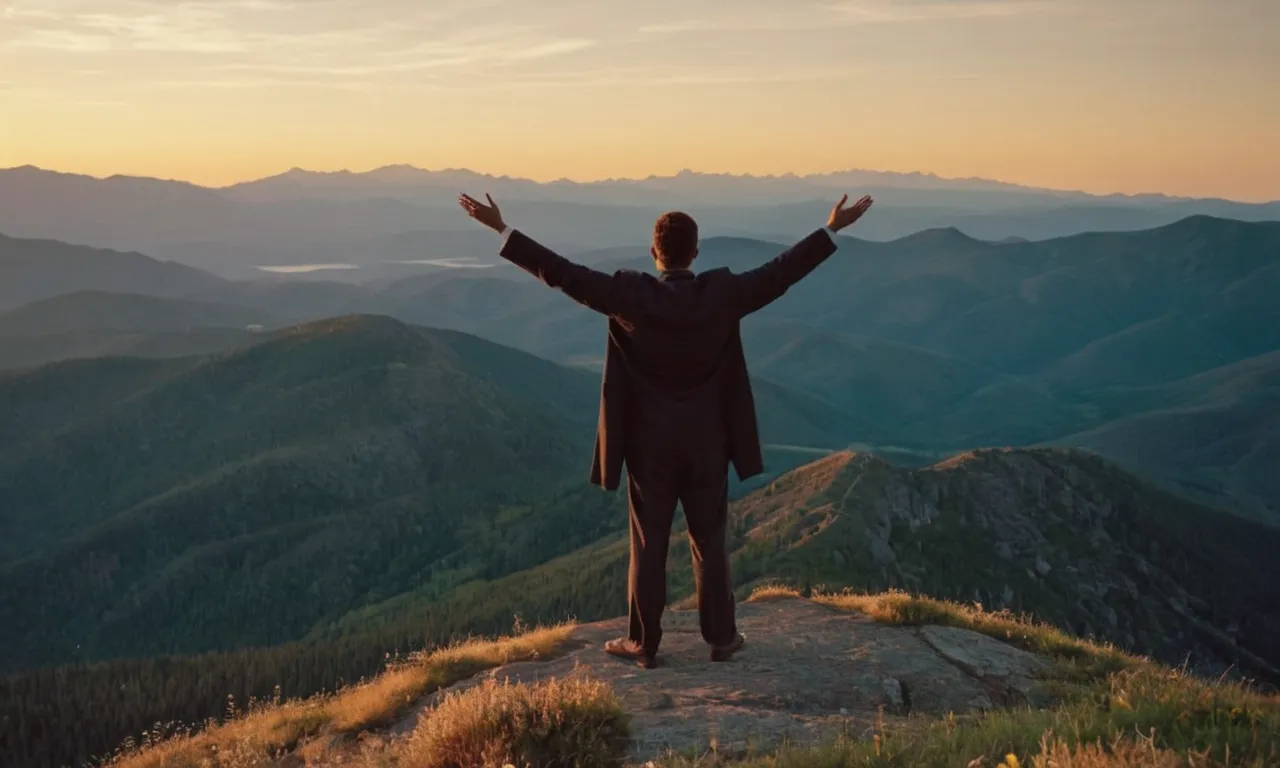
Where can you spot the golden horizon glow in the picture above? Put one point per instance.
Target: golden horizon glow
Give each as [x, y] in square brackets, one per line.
[1175, 96]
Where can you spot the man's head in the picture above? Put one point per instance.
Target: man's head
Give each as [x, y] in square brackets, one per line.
[675, 241]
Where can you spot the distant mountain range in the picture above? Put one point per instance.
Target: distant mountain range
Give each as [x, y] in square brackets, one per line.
[411, 183]
[400, 214]
[1133, 344]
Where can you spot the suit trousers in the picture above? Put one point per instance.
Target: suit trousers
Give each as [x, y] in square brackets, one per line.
[700, 483]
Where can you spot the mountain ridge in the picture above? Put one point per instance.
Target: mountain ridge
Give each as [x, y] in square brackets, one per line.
[206, 227]
[841, 176]
[40, 268]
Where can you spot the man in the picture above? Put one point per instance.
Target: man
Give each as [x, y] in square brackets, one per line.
[675, 403]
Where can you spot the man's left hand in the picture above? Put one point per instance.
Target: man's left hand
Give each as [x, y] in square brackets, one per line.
[488, 215]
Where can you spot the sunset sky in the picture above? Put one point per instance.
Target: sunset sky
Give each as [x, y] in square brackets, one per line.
[1176, 96]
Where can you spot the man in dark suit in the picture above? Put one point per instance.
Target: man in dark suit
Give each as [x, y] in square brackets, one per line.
[675, 403]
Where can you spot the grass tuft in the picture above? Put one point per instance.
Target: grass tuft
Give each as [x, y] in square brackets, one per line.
[1118, 754]
[571, 722]
[771, 592]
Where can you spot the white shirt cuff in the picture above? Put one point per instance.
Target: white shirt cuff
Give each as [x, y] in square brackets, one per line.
[506, 233]
[831, 233]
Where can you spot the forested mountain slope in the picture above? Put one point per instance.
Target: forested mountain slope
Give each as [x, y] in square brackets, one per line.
[237, 499]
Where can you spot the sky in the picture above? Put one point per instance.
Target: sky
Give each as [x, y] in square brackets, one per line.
[1174, 96]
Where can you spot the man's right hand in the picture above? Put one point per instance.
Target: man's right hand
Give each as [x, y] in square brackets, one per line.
[842, 217]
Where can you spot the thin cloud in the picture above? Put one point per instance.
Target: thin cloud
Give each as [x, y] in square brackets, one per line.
[186, 28]
[853, 13]
[880, 11]
[758, 23]
[191, 32]
[262, 5]
[459, 263]
[247, 83]
[22, 13]
[643, 77]
[248, 43]
[62, 40]
[475, 47]
[203, 27]
[550, 48]
[349, 79]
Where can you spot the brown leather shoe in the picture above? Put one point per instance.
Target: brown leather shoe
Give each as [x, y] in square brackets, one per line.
[626, 648]
[726, 651]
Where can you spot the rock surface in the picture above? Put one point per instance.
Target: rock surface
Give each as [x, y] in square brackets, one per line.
[807, 673]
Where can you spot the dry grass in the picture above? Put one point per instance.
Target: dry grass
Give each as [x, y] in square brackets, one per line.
[267, 733]
[1120, 753]
[771, 592]
[1089, 659]
[904, 609]
[571, 722]
[687, 603]
[377, 703]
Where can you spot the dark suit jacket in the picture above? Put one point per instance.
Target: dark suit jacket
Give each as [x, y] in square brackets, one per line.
[674, 348]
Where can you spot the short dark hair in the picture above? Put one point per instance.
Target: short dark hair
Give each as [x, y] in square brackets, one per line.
[675, 240]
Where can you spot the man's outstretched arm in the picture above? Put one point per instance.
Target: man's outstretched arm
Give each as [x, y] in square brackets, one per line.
[761, 286]
[596, 290]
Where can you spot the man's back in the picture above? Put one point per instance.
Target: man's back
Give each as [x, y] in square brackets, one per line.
[677, 343]
[673, 337]
[679, 359]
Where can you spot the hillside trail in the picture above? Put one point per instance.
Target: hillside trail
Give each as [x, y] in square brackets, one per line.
[808, 674]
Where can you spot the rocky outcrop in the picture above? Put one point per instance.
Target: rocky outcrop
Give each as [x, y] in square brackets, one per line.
[1061, 535]
[808, 673]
